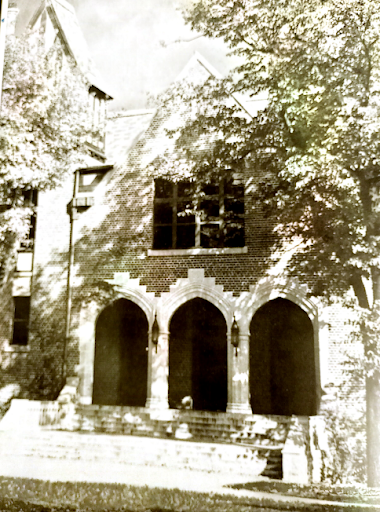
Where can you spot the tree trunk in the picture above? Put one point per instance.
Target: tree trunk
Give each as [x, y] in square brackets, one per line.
[360, 291]
[373, 407]
[372, 383]
[373, 430]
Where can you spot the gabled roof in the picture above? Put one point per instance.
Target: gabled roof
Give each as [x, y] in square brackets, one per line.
[196, 61]
[124, 130]
[64, 18]
[198, 69]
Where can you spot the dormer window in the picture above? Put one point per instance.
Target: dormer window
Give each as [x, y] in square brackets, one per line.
[217, 222]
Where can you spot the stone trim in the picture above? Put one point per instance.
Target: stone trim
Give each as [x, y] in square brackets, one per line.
[196, 285]
[287, 288]
[131, 289]
[198, 251]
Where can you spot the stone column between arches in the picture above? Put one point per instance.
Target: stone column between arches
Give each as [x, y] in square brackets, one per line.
[158, 366]
[158, 371]
[238, 364]
[86, 336]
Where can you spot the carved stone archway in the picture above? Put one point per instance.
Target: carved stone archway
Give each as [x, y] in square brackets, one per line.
[195, 286]
[125, 288]
[121, 358]
[291, 290]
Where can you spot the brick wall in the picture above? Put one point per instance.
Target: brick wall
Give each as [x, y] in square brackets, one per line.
[115, 235]
[34, 366]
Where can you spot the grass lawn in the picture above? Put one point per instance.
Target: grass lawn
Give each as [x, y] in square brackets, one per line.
[17, 494]
[27, 495]
[340, 493]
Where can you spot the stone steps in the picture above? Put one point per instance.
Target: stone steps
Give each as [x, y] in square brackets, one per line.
[126, 435]
[273, 469]
[201, 425]
[262, 436]
[131, 450]
[218, 442]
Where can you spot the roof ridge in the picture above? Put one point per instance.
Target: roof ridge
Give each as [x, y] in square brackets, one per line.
[130, 113]
[200, 59]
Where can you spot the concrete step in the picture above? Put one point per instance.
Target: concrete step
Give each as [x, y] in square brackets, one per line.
[215, 441]
[127, 450]
[202, 425]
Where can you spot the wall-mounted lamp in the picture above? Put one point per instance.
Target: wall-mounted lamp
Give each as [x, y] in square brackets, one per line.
[155, 332]
[235, 335]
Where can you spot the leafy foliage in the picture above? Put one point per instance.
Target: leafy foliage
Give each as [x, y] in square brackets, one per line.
[7, 393]
[347, 449]
[314, 149]
[366, 331]
[43, 125]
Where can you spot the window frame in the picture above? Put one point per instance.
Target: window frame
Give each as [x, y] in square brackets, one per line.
[28, 242]
[174, 200]
[19, 320]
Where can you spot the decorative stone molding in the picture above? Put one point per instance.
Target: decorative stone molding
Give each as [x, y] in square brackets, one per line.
[126, 288]
[196, 285]
[274, 287]
[132, 289]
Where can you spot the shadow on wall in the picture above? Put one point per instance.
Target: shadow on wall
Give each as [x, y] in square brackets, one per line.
[116, 233]
[38, 369]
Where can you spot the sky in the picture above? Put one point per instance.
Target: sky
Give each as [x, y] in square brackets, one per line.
[124, 39]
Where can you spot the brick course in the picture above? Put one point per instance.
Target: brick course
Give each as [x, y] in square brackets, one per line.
[115, 235]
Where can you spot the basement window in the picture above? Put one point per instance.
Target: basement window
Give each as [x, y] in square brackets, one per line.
[21, 321]
[218, 221]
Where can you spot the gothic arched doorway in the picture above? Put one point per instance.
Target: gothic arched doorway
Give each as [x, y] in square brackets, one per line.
[198, 356]
[282, 360]
[121, 357]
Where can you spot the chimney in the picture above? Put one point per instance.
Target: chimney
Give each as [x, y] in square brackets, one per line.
[12, 14]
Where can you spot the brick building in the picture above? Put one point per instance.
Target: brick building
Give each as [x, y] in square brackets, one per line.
[148, 305]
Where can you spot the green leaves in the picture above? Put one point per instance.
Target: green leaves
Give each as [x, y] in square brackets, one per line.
[43, 125]
[314, 151]
[44, 118]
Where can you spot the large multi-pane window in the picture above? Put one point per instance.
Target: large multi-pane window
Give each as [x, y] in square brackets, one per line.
[216, 221]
